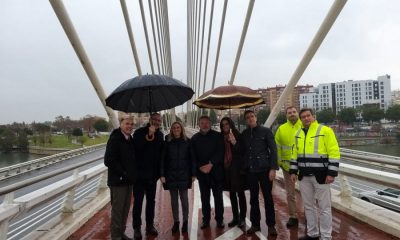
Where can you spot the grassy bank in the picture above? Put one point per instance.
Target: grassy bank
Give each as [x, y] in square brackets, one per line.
[62, 141]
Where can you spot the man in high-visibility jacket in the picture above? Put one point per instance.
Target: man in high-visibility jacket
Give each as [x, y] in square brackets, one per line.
[284, 138]
[315, 158]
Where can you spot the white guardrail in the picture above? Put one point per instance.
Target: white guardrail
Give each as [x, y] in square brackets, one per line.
[16, 169]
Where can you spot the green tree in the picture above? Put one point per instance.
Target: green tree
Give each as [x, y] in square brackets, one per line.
[347, 115]
[326, 116]
[372, 113]
[22, 140]
[101, 125]
[213, 117]
[281, 118]
[393, 113]
[262, 115]
[77, 132]
[7, 140]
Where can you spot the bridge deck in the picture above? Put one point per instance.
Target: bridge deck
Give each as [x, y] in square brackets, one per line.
[344, 226]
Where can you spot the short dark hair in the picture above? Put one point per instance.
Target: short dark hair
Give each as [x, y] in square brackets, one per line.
[306, 110]
[205, 117]
[290, 107]
[247, 112]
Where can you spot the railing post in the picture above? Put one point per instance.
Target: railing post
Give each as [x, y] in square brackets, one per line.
[345, 187]
[102, 184]
[8, 199]
[68, 204]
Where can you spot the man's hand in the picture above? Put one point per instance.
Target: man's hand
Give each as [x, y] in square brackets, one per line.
[293, 177]
[152, 130]
[206, 168]
[272, 175]
[162, 179]
[329, 179]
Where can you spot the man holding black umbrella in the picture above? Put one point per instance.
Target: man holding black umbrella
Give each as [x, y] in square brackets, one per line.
[148, 146]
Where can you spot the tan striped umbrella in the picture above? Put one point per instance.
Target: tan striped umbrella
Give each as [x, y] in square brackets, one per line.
[227, 97]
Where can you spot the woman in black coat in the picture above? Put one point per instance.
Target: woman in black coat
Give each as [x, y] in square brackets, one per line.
[177, 173]
[235, 182]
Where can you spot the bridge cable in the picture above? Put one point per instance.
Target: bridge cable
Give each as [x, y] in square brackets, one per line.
[146, 35]
[242, 38]
[221, 31]
[154, 37]
[130, 34]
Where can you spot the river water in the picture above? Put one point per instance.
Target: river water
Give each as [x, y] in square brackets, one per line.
[8, 159]
[393, 150]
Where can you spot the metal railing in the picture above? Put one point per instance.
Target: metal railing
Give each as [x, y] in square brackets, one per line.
[11, 208]
[16, 169]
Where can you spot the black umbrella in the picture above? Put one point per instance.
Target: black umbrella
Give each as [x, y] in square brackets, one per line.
[149, 93]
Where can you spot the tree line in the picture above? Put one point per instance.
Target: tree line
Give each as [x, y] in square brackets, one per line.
[17, 135]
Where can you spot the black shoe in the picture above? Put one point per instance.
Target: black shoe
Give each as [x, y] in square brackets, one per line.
[241, 223]
[137, 234]
[151, 230]
[184, 227]
[233, 223]
[220, 224]
[306, 237]
[253, 229]
[272, 231]
[204, 225]
[293, 222]
[124, 237]
[175, 228]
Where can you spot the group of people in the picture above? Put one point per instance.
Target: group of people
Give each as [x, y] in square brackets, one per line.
[223, 161]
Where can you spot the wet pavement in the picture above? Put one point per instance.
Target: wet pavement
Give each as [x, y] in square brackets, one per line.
[344, 226]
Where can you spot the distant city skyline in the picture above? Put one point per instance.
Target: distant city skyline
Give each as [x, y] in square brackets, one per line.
[41, 76]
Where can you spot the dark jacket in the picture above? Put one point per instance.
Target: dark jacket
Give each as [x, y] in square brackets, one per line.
[208, 148]
[259, 148]
[176, 164]
[120, 160]
[235, 178]
[148, 153]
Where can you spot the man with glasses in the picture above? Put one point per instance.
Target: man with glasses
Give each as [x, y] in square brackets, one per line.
[260, 161]
[148, 146]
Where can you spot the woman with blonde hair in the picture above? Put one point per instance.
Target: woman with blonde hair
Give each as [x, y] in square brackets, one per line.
[177, 173]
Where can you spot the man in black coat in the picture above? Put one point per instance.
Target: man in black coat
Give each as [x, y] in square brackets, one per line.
[260, 161]
[208, 157]
[120, 160]
[148, 147]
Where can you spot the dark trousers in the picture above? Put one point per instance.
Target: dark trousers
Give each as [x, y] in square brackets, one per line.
[183, 194]
[120, 204]
[242, 204]
[206, 184]
[257, 181]
[140, 189]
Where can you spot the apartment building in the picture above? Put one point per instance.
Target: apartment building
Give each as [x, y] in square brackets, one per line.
[349, 93]
[272, 94]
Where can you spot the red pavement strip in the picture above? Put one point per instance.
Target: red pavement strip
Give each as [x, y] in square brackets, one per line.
[344, 226]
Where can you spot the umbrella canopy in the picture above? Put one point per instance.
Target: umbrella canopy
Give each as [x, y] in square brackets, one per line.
[227, 97]
[149, 93]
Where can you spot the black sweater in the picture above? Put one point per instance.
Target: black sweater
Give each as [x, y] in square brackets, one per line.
[120, 160]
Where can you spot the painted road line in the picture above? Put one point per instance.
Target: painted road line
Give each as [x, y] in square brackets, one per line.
[231, 234]
[259, 234]
[195, 212]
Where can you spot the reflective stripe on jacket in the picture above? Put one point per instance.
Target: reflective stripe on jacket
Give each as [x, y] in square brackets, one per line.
[284, 138]
[315, 152]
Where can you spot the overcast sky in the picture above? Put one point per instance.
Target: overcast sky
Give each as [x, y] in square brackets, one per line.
[41, 76]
